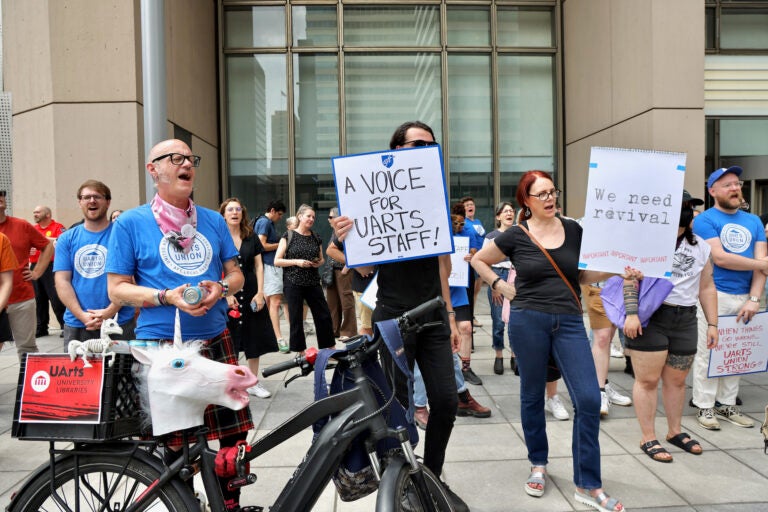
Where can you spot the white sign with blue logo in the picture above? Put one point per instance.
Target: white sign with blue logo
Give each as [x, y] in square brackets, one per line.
[632, 210]
[398, 202]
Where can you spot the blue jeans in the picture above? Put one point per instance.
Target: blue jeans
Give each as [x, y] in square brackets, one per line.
[420, 391]
[497, 323]
[537, 334]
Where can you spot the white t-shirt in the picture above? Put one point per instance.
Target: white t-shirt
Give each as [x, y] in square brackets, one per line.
[687, 264]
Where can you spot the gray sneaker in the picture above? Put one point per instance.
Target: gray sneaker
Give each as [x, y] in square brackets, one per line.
[733, 414]
[707, 419]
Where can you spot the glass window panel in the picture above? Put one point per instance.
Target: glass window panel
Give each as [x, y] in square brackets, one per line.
[524, 26]
[254, 27]
[383, 90]
[744, 29]
[471, 135]
[257, 129]
[525, 109]
[382, 25]
[316, 125]
[469, 26]
[743, 137]
[314, 25]
[709, 25]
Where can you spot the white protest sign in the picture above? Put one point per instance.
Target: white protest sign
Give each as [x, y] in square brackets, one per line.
[459, 268]
[369, 295]
[742, 348]
[632, 210]
[398, 202]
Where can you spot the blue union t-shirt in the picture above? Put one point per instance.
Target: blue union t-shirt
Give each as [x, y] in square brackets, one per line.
[738, 232]
[137, 248]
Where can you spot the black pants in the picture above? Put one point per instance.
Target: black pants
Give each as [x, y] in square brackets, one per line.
[45, 291]
[294, 298]
[431, 348]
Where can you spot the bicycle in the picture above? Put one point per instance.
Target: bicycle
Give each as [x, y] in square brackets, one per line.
[129, 475]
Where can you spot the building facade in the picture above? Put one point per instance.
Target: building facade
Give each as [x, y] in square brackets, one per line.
[268, 91]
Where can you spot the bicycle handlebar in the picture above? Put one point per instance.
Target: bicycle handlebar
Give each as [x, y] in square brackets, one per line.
[405, 320]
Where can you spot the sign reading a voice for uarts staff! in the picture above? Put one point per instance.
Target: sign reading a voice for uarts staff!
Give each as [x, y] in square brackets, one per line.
[398, 202]
[632, 210]
[742, 348]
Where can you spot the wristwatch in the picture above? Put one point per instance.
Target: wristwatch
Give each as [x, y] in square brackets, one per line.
[753, 298]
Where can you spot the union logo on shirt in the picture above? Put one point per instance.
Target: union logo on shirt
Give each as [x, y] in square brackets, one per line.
[735, 238]
[193, 263]
[90, 260]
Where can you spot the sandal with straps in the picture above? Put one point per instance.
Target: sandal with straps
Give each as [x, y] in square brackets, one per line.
[537, 477]
[690, 445]
[601, 502]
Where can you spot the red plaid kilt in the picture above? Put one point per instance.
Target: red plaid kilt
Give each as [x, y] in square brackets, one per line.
[221, 421]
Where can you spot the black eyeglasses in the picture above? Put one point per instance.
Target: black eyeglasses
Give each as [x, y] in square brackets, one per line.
[95, 197]
[544, 196]
[178, 159]
[420, 143]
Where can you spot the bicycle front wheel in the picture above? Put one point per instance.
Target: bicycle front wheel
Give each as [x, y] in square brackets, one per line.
[408, 498]
[100, 482]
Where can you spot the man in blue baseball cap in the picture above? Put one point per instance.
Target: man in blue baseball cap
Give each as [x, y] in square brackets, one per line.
[739, 249]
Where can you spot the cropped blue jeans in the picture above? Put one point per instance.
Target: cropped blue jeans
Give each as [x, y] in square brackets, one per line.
[537, 334]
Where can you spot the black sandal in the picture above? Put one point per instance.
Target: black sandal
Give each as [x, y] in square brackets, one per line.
[688, 446]
[654, 448]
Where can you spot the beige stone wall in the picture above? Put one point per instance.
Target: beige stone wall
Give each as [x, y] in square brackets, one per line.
[73, 68]
[634, 74]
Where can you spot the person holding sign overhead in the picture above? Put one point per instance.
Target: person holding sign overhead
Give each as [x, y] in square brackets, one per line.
[403, 285]
[738, 243]
[664, 349]
[546, 317]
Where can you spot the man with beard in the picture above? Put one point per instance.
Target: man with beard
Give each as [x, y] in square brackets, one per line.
[738, 243]
[45, 291]
[79, 267]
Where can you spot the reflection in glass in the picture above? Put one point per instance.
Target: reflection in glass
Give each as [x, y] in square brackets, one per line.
[469, 26]
[383, 90]
[524, 26]
[526, 118]
[316, 114]
[314, 25]
[257, 129]
[744, 29]
[414, 25]
[471, 136]
[254, 27]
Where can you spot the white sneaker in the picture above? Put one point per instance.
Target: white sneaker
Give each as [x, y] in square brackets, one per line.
[556, 407]
[733, 414]
[605, 404]
[617, 398]
[259, 391]
[616, 352]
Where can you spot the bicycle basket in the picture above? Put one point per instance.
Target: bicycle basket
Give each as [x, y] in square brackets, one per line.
[61, 399]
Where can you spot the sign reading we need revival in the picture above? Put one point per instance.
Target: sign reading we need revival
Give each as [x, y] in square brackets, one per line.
[398, 202]
[632, 210]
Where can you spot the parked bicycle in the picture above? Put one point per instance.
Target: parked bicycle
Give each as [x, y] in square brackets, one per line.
[129, 475]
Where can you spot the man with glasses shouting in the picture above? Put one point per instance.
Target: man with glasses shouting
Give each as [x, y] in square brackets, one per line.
[738, 243]
[80, 270]
[155, 253]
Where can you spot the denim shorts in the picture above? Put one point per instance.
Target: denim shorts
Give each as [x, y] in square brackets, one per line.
[671, 328]
[273, 280]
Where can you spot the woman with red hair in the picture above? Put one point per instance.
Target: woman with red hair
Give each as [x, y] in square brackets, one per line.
[547, 319]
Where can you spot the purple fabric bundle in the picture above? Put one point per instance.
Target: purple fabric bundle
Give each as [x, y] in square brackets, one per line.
[651, 295]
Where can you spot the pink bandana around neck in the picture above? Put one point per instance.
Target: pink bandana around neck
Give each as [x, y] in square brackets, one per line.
[177, 225]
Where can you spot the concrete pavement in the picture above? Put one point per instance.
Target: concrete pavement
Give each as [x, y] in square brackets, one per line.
[486, 461]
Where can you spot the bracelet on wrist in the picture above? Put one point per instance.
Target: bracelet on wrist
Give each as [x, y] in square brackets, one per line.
[156, 298]
[712, 325]
[224, 288]
[161, 297]
[495, 282]
[451, 313]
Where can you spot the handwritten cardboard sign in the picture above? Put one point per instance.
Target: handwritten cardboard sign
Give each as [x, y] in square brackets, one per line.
[459, 268]
[742, 348]
[398, 202]
[632, 210]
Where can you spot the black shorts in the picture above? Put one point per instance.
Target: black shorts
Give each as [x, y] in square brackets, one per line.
[671, 328]
[463, 313]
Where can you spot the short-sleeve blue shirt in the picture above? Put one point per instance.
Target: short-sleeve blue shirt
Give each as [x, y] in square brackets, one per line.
[264, 226]
[738, 232]
[137, 248]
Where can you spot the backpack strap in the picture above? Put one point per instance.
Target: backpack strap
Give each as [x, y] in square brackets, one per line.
[321, 362]
[390, 332]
